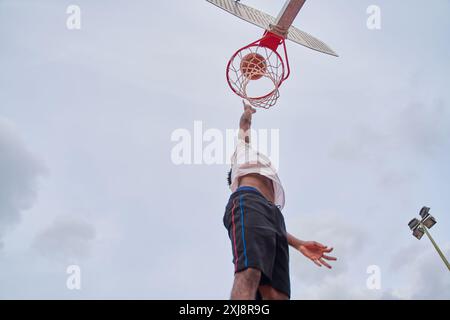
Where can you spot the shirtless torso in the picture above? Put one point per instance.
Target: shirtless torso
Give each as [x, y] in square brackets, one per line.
[261, 183]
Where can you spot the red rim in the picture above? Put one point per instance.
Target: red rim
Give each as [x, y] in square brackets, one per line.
[257, 44]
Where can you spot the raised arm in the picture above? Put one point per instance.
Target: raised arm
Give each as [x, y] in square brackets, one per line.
[245, 123]
[312, 250]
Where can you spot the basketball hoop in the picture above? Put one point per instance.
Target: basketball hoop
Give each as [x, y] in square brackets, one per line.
[256, 71]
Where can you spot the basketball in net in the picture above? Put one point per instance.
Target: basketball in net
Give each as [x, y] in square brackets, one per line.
[256, 72]
[253, 66]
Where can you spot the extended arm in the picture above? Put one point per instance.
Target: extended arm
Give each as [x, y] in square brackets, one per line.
[293, 241]
[312, 250]
[245, 123]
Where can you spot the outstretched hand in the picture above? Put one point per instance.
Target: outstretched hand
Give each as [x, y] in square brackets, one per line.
[316, 253]
[248, 108]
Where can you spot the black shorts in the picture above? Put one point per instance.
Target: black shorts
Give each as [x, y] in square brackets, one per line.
[258, 238]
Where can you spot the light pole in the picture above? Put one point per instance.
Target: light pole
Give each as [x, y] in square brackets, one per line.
[420, 227]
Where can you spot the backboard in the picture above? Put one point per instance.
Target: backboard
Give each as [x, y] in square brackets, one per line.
[284, 20]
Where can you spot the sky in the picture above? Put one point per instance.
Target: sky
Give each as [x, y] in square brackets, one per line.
[87, 175]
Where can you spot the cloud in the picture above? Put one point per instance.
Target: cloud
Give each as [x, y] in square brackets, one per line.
[423, 274]
[330, 229]
[423, 128]
[407, 256]
[349, 242]
[417, 128]
[339, 287]
[66, 240]
[19, 173]
[427, 276]
[392, 145]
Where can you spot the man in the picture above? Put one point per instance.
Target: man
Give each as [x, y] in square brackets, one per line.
[255, 225]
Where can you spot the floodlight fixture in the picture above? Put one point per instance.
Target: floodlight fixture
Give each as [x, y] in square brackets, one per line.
[418, 232]
[419, 228]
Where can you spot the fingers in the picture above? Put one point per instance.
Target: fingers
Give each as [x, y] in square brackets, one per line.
[329, 257]
[317, 263]
[328, 250]
[319, 245]
[323, 262]
[320, 262]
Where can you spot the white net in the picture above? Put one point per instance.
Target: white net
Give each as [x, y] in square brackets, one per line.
[258, 81]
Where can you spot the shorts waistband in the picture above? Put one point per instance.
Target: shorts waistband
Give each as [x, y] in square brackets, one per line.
[246, 189]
